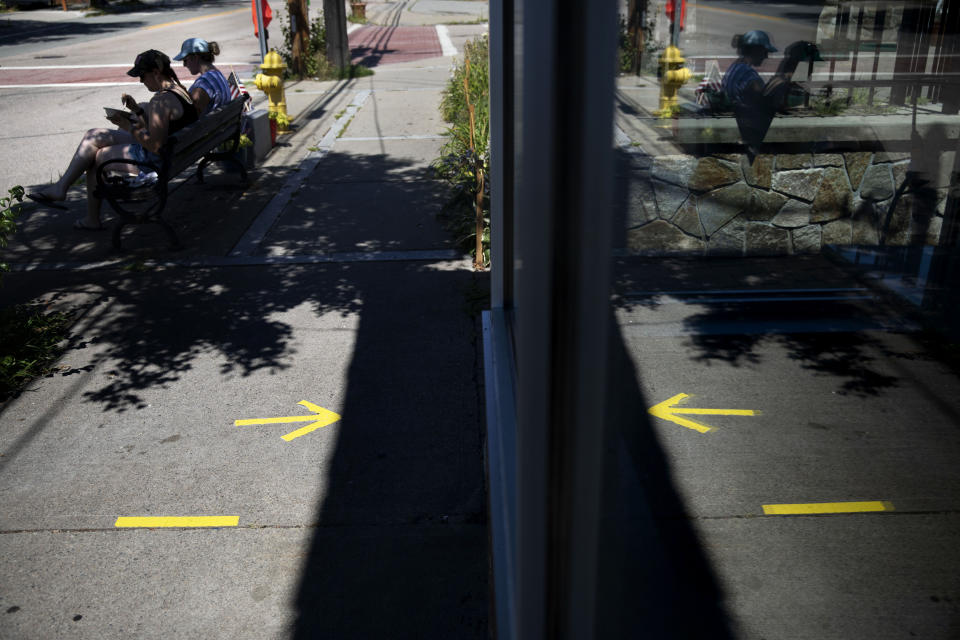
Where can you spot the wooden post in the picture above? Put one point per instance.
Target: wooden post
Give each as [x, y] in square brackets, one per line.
[635, 12]
[300, 26]
[338, 47]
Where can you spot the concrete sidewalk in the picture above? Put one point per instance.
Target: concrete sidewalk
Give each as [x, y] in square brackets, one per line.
[329, 281]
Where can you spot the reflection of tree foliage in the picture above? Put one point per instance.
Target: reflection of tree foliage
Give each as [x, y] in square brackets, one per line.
[827, 338]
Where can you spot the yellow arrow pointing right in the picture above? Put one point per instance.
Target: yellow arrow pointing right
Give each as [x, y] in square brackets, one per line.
[668, 410]
[321, 418]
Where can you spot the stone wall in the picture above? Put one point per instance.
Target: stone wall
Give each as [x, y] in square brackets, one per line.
[778, 204]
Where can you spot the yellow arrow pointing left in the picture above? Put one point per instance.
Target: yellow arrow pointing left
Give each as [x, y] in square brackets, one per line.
[669, 410]
[321, 418]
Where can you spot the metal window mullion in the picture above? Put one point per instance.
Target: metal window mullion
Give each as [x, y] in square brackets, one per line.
[501, 154]
[535, 199]
[563, 221]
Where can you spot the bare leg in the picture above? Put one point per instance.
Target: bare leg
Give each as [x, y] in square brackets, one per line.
[83, 159]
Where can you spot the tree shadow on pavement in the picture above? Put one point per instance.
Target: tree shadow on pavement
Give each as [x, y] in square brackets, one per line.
[399, 545]
[22, 32]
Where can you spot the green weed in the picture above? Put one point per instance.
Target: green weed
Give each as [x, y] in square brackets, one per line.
[465, 159]
[30, 342]
[9, 210]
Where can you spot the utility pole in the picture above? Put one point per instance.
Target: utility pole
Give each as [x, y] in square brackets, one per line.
[300, 31]
[335, 19]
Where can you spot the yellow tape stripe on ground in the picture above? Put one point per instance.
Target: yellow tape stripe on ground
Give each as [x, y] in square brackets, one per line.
[825, 507]
[178, 521]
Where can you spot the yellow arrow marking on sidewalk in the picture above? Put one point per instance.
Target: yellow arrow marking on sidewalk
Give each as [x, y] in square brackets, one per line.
[825, 507]
[322, 418]
[177, 521]
[668, 410]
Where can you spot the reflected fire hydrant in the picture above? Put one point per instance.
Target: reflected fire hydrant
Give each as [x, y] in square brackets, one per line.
[672, 76]
[271, 83]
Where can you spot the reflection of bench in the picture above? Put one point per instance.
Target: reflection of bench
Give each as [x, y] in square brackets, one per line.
[214, 137]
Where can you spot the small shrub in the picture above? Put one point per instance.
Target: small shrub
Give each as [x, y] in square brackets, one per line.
[627, 55]
[282, 119]
[9, 210]
[828, 105]
[465, 159]
[316, 64]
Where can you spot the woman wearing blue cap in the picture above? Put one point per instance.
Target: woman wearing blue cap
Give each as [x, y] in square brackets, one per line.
[210, 90]
[755, 103]
[741, 82]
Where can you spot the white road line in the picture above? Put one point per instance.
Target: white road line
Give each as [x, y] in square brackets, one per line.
[255, 235]
[123, 65]
[69, 85]
[445, 42]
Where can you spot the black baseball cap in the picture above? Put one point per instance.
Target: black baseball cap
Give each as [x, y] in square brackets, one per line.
[149, 61]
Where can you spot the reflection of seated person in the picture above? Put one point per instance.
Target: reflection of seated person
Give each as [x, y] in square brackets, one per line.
[754, 103]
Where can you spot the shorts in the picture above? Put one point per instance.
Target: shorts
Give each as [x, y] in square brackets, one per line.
[142, 155]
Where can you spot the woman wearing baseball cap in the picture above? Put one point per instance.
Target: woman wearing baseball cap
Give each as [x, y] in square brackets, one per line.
[755, 103]
[210, 90]
[141, 136]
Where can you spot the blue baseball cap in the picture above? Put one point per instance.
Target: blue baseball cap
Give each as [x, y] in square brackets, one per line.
[192, 45]
[755, 38]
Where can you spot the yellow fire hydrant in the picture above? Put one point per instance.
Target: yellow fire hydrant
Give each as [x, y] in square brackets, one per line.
[271, 83]
[672, 76]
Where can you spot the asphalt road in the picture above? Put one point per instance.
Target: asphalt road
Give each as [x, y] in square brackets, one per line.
[59, 69]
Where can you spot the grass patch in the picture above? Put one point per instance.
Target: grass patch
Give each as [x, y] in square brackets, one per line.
[346, 126]
[353, 71]
[31, 338]
[479, 20]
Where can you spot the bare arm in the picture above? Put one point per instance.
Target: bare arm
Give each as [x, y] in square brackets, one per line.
[163, 108]
[200, 100]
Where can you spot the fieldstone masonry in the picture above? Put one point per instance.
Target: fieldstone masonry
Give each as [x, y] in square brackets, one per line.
[723, 204]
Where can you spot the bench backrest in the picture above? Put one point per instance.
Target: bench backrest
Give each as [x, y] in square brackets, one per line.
[213, 129]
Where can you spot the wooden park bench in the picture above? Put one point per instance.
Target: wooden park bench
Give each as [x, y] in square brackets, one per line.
[214, 137]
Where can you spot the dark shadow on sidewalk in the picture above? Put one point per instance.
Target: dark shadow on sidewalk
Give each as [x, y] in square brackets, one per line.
[657, 581]
[23, 32]
[399, 544]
